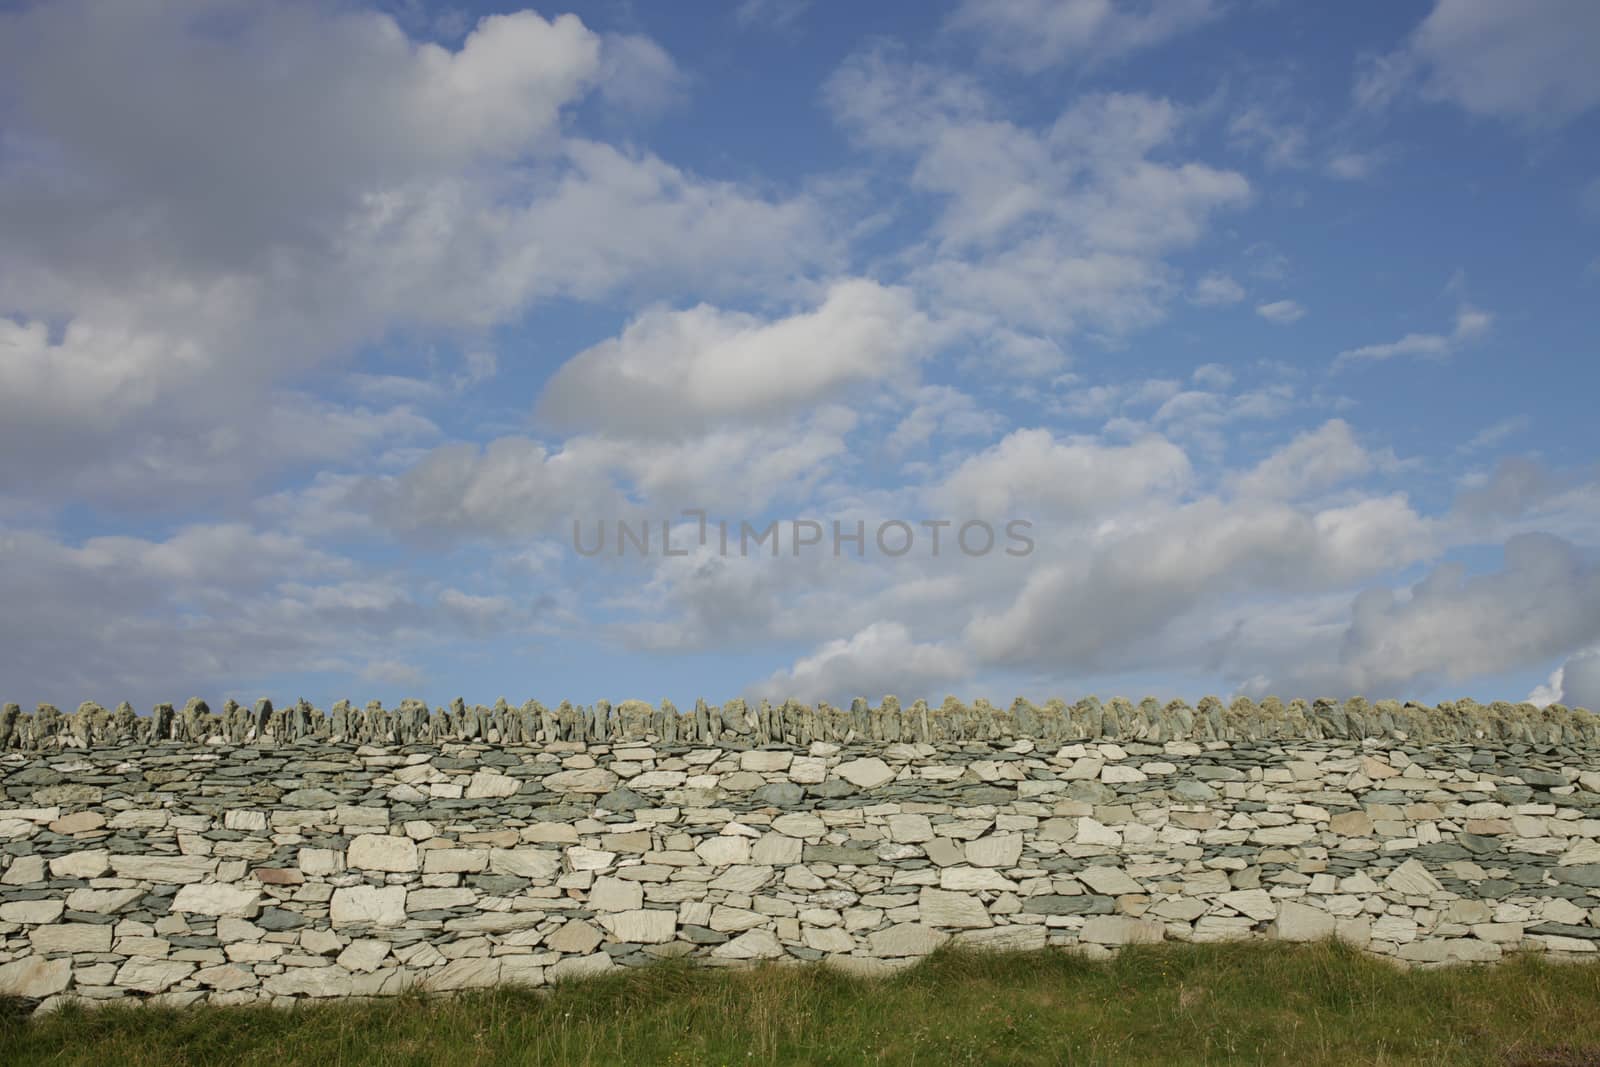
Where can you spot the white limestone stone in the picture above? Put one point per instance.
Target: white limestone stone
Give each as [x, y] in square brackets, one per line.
[579, 967]
[71, 937]
[1121, 930]
[750, 945]
[368, 905]
[910, 828]
[210, 898]
[614, 894]
[91, 863]
[996, 850]
[486, 784]
[1110, 881]
[382, 852]
[721, 851]
[1300, 922]
[327, 981]
[594, 780]
[764, 761]
[648, 926]
[364, 955]
[35, 976]
[868, 773]
[153, 976]
[939, 907]
[31, 911]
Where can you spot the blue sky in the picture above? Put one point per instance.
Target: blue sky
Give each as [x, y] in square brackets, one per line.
[321, 325]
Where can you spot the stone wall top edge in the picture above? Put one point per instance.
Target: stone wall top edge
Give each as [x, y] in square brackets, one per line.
[739, 724]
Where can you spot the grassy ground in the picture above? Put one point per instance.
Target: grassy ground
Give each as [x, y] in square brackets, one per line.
[1188, 1004]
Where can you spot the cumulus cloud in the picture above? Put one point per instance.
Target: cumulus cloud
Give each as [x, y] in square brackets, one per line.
[882, 658]
[676, 370]
[512, 486]
[940, 411]
[190, 217]
[516, 487]
[1511, 489]
[1200, 417]
[1530, 62]
[218, 605]
[1576, 683]
[1060, 230]
[1313, 461]
[1032, 472]
[1452, 626]
[310, 247]
[1124, 570]
[1216, 290]
[1105, 604]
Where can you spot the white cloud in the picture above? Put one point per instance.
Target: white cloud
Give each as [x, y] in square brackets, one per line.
[1199, 417]
[514, 487]
[1030, 472]
[393, 672]
[1216, 290]
[1126, 571]
[1281, 144]
[197, 225]
[880, 659]
[1514, 485]
[1496, 434]
[1105, 604]
[215, 605]
[637, 75]
[939, 410]
[478, 613]
[676, 370]
[1354, 166]
[1531, 61]
[1034, 34]
[1471, 323]
[511, 486]
[1452, 627]
[1282, 312]
[1060, 230]
[124, 417]
[1575, 684]
[1315, 460]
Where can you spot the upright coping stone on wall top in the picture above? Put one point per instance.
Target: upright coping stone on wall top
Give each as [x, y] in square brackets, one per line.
[739, 724]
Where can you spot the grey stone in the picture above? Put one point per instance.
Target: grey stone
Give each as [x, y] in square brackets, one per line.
[1056, 904]
[839, 854]
[779, 795]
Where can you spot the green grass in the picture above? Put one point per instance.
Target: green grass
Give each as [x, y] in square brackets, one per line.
[1189, 1004]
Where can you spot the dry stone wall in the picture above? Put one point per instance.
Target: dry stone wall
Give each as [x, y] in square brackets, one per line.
[216, 870]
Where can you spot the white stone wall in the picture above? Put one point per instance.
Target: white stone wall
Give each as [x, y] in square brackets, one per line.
[237, 873]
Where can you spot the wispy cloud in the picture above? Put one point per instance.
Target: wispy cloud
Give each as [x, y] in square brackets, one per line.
[1471, 324]
[1281, 312]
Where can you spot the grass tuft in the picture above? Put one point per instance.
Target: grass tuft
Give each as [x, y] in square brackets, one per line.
[1192, 1004]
